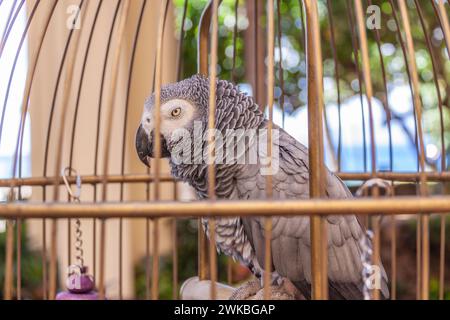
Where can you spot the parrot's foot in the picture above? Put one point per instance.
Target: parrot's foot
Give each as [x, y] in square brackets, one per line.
[286, 290]
[275, 293]
[247, 290]
[253, 290]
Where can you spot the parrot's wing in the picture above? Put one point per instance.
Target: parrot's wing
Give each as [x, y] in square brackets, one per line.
[291, 244]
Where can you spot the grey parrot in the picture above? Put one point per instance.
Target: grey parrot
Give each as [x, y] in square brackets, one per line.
[184, 105]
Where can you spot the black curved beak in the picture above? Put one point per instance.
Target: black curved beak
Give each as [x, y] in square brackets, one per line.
[144, 146]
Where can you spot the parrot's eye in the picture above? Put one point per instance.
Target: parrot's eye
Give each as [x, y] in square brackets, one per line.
[176, 112]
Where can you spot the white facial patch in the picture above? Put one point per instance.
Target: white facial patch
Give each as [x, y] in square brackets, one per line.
[175, 114]
[169, 123]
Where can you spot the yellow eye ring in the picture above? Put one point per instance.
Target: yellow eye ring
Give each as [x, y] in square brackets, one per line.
[176, 112]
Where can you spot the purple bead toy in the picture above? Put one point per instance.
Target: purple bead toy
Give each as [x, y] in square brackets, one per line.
[80, 285]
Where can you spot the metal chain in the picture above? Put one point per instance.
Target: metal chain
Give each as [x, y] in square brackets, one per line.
[79, 243]
[76, 198]
[366, 241]
[366, 259]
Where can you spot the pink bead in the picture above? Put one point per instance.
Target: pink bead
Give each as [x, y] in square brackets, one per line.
[80, 286]
[80, 283]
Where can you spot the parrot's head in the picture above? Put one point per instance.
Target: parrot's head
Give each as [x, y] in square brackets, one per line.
[181, 105]
[184, 110]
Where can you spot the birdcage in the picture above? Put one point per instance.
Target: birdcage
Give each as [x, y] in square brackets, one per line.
[89, 66]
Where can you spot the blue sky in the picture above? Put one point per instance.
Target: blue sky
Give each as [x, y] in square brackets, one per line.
[12, 114]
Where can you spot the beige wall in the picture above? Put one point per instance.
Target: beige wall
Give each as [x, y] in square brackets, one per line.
[84, 147]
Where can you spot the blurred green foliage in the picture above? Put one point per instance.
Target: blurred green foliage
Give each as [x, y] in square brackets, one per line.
[434, 290]
[31, 266]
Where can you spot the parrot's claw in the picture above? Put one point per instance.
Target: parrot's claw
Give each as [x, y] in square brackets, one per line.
[253, 290]
[282, 289]
[275, 293]
[247, 290]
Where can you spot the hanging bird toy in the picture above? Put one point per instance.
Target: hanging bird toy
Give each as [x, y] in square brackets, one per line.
[80, 285]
